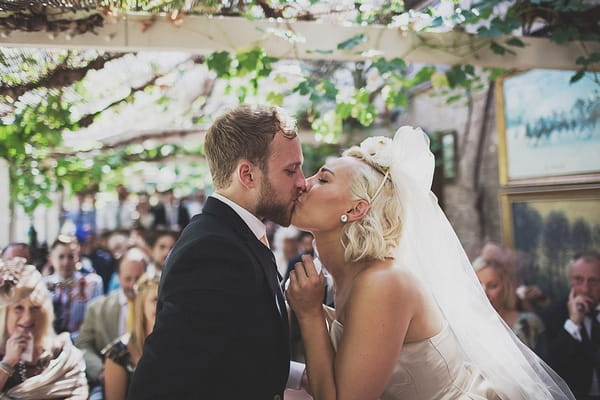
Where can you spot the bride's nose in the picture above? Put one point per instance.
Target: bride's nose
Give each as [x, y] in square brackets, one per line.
[309, 183]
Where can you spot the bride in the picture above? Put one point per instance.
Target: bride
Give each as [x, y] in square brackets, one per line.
[411, 320]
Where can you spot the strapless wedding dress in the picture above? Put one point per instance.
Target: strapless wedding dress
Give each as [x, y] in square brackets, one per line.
[434, 368]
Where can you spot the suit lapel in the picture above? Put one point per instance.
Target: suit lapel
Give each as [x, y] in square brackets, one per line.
[263, 255]
[113, 311]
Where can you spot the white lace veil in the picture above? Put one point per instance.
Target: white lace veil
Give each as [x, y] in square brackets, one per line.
[431, 249]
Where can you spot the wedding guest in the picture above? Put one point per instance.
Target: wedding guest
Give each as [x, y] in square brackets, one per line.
[195, 202]
[108, 317]
[144, 217]
[84, 215]
[36, 363]
[70, 289]
[13, 250]
[170, 213]
[285, 244]
[498, 283]
[117, 214]
[97, 259]
[572, 340]
[122, 356]
[161, 244]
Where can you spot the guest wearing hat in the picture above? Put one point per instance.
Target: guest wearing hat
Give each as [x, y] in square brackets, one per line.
[35, 362]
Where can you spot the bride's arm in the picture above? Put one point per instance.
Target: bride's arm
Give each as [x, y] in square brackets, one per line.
[377, 317]
[378, 313]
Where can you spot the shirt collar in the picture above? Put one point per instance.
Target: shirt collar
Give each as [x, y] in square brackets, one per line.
[123, 300]
[256, 226]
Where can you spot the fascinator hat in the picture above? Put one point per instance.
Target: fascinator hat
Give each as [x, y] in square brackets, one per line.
[17, 280]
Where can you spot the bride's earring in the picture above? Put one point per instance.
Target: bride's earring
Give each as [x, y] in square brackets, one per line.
[344, 218]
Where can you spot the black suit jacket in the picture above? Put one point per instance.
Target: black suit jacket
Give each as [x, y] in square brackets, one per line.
[571, 359]
[160, 216]
[218, 332]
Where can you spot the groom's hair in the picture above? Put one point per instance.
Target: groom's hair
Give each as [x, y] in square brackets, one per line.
[244, 133]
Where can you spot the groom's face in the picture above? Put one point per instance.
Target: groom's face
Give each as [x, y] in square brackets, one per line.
[283, 180]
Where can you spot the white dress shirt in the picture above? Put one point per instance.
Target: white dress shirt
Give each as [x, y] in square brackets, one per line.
[123, 312]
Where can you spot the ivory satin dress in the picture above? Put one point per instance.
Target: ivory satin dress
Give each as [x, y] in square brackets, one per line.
[434, 368]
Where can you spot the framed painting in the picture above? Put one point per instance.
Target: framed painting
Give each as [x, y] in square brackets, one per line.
[551, 227]
[549, 128]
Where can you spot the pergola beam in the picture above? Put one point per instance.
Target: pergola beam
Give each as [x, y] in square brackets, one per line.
[304, 40]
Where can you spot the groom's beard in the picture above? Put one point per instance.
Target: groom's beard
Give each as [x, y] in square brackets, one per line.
[273, 208]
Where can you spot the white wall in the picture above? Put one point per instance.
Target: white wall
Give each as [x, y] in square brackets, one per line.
[473, 211]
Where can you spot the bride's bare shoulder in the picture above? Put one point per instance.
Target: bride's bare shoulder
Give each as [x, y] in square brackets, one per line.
[386, 275]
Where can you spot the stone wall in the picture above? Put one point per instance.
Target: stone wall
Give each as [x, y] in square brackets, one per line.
[471, 201]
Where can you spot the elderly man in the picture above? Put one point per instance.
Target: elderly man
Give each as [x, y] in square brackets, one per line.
[108, 317]
[573, 329]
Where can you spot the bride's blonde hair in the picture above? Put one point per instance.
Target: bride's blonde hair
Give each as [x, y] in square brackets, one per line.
[376, 234]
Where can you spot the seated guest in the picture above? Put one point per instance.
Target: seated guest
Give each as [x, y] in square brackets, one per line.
[122, 356]
[70, 289]
[13, 250]
[285, 247]
[94, 257]
[36, 363]
[108, 317]
[499, 287]
[161, 245]
[572, 339]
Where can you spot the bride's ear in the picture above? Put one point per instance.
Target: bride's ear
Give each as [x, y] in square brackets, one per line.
[359, 210]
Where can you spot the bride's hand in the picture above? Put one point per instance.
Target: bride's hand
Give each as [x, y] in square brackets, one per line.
[305, 289]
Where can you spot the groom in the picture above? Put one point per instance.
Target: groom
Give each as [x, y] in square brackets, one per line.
[221, 327]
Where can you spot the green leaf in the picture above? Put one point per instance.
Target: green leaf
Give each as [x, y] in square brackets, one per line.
[384, 66]
[501, 50]
[220, 63]
[304, 88]
[490, 32]
[396, 98]
[515, 42]
[439, 80]
[352, 42]
[578, 75]
[329, 89]
[453, 99]
[318, 51]
[437, 22]
[275, 98]
[344, 110]
[456, 76]
[495, 73]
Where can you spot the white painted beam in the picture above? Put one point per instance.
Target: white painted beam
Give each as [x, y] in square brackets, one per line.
[303, 40]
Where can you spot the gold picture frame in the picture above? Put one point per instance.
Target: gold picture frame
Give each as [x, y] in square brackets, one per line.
[551, 225]
[542, 141]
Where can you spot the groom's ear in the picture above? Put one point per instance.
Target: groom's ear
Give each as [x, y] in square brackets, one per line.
[359, 210]
[246, 174]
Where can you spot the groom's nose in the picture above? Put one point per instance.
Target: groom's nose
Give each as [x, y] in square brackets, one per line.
[301, 182]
